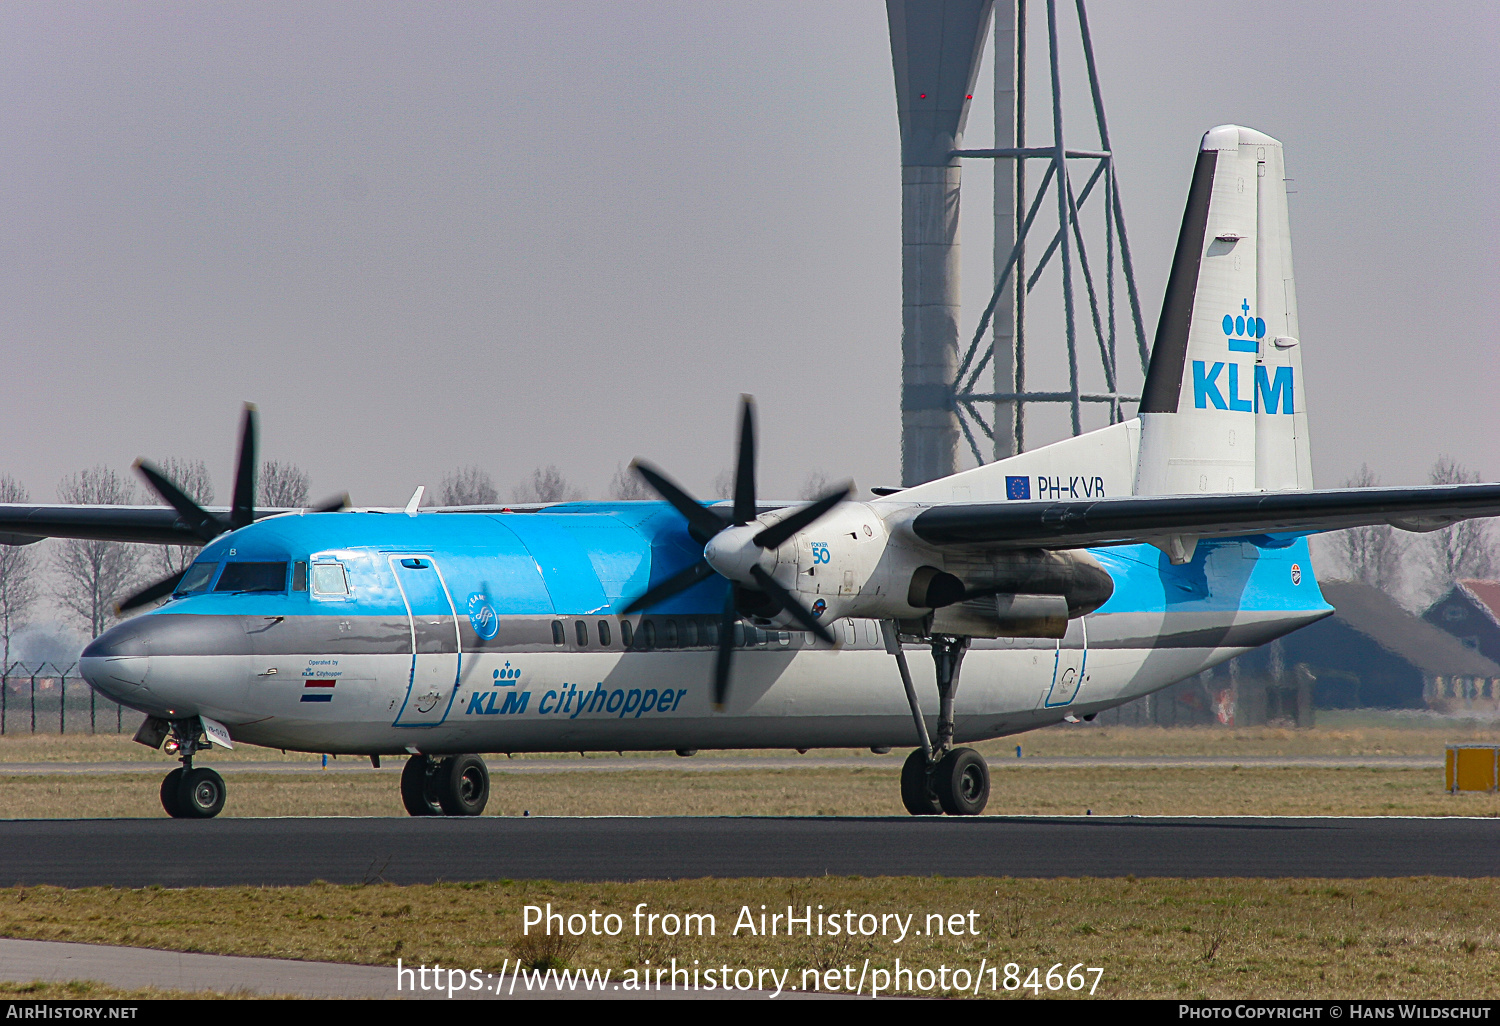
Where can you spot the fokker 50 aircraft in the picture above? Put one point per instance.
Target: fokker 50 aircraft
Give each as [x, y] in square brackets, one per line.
[1063, 581]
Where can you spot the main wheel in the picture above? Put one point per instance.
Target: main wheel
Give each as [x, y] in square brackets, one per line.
[962, 782]
[417, 791]
[201, 794]
[171, 785]
[916, 786]
[463, 785]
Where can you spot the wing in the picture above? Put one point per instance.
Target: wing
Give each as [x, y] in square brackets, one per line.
[152, 525]
[1078, 524]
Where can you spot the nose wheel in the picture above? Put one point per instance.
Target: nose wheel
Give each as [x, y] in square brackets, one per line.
[454, 785]
[192, 792]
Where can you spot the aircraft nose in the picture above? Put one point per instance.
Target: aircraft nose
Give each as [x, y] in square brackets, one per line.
[117, 662]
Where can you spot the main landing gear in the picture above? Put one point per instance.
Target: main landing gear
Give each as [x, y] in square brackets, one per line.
[190, 792]
[452, 785]
[939, 778]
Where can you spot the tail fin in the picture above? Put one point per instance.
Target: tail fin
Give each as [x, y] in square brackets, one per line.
[1224, 408]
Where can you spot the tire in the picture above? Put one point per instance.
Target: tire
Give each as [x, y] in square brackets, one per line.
[916, 787]
[463, 785]
[417, 792]
[201, 794]
[962, 782]
[171, 784]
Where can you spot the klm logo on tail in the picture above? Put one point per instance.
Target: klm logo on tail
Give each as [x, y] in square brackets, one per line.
[1211, 382]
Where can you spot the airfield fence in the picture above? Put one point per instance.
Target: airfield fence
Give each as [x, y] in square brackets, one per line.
[48, 698]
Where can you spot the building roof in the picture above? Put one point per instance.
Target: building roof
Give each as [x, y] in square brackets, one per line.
[1376, 615]
[1484, 594]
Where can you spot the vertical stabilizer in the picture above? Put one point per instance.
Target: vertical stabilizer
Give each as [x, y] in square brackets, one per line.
[1223, 408]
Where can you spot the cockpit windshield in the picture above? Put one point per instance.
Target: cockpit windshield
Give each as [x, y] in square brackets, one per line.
[197, 578]
[252, 577]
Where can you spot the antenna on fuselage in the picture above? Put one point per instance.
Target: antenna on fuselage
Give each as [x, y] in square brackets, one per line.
[414, 501]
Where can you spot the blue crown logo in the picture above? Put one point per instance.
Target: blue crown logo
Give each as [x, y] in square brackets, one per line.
[507, 677]
[1243, 330]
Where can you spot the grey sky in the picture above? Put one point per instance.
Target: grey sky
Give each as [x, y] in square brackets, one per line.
[507, 234]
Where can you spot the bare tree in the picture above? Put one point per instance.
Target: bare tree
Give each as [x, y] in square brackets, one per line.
[468, 486]
[817, 483]
[95, 574]
[627, 485]
[282, 484]
[1371, 555]
[546, 484]
[1464, 550]
[723, 486]
[192, 477]
[19, 570]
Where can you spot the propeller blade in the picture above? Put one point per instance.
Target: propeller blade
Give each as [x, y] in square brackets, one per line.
[161, 589]
[333, 505]
[803, 516]
[242, 514]
[702, 523]
[726, 651]
[744, 470]
[789, 601]
[200, 521]
[678, 582]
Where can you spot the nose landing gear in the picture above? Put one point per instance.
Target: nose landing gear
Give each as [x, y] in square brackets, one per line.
[190, 792]
[939, 778]
[455, 785]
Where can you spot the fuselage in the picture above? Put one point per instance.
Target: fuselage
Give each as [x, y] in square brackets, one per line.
[383, 633]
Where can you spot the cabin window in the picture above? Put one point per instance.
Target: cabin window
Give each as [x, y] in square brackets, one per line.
[604, 633]
[669, 634]
[299, 575]
[710, 634]
[739, 635]
[648, 631]
[783, 638]
[581, 629]
[557, 633]
[626, 634]
[252, 577]
[197, 578]
[689, 633]
[329, 579]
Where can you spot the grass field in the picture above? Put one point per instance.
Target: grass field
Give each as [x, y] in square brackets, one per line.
[1412, 938]
[1016, 789]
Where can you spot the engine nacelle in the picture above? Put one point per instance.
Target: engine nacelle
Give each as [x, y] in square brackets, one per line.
[850, 563]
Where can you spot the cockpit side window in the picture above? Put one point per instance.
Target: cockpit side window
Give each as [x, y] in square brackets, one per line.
[299, 575]
[198, 577]
[252, 577]
[329, 579]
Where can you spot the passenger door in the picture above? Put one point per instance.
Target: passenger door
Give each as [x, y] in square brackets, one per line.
[1069, 666]
[434, 641]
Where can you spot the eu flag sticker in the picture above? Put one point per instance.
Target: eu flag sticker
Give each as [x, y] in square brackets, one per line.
[1017, 487]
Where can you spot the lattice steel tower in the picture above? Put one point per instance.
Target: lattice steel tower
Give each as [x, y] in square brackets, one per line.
[936, 47]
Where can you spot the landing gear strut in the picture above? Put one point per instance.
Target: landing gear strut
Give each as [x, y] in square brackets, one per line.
[190, 792]
[939, 778]
[454, 785]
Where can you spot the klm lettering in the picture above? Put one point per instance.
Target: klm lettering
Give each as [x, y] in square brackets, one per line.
[1219, 384]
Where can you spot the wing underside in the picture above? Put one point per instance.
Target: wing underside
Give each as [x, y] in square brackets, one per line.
[1153, 519]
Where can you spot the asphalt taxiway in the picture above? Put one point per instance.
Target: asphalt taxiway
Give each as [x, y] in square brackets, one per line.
[294, 851]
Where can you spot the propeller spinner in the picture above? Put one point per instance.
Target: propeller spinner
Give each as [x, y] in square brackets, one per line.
[736, 550]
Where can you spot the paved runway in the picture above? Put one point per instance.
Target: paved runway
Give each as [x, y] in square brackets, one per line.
[22, 961]
[178, 853]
